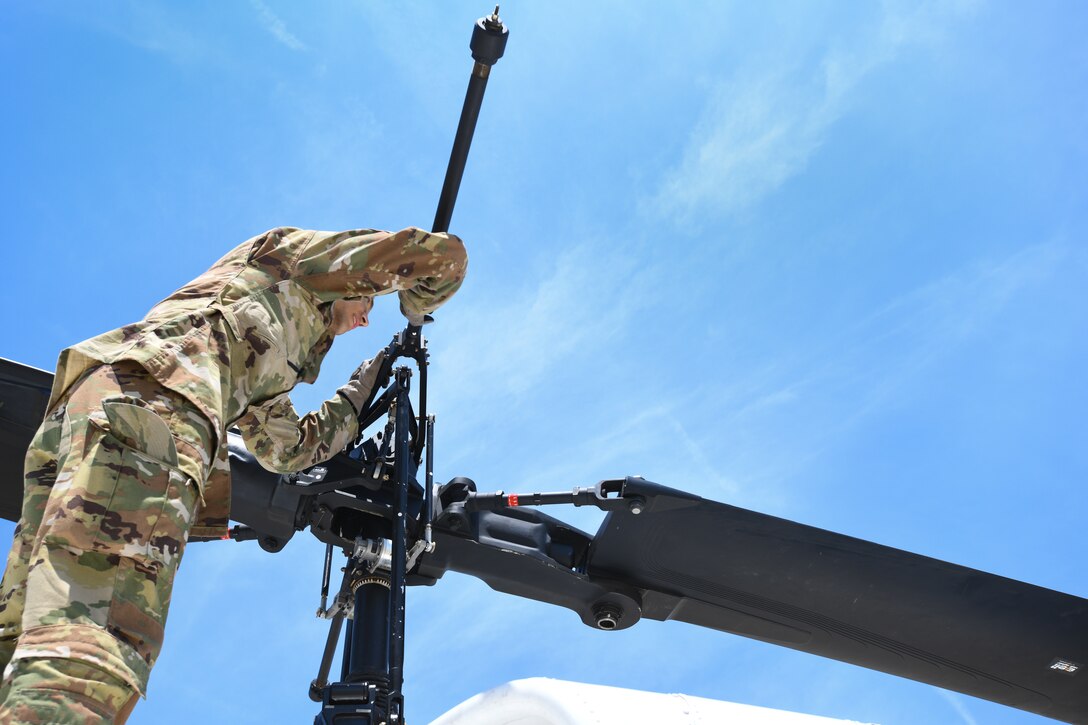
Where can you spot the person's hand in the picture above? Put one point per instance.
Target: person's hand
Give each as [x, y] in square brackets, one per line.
[358, 388]
[415, 319]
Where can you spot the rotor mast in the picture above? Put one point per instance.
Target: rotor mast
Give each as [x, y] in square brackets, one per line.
[374, 586]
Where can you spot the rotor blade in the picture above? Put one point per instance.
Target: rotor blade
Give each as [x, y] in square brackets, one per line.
[738, 571]
[24, 393]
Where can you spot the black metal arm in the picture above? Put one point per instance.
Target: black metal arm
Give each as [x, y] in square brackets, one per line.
[488, 44]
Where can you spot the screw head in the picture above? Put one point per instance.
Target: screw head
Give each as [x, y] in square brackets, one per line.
[636, 507]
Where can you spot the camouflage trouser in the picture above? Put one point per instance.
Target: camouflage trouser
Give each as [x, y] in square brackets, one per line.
[109, 498]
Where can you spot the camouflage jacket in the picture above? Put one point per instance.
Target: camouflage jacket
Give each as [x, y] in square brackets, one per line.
[238, 338]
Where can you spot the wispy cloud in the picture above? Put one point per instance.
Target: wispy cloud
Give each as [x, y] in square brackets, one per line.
[932, 320]
[958, 705]
[761, 127]
[653, 442]
[275, 25]
[807, 403]
[149, 27]
[510, 340]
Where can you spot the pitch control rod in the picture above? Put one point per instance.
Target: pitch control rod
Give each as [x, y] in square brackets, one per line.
[606, 495]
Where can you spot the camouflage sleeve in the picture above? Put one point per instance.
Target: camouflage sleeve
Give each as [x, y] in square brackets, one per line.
[425, 269]
[285, 443]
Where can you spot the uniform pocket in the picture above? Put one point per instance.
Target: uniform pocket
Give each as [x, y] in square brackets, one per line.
[125, 497]
[252, 324]
[142, 428]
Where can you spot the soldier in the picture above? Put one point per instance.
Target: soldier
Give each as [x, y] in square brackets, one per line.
[131, 458]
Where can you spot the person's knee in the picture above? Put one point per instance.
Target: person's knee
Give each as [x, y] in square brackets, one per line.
[40, 690]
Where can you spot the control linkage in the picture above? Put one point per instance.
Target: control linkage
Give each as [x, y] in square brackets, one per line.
[607, 495]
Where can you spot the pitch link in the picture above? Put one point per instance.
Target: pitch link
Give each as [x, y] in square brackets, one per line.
[607, 495]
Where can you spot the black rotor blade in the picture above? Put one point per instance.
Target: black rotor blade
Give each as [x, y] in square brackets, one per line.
[24, 393]
[738, 571]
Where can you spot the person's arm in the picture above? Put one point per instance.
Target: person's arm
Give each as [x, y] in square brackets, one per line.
[285, 443]
[424, 268]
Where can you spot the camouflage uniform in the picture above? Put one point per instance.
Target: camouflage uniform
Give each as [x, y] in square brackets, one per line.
[131, 459]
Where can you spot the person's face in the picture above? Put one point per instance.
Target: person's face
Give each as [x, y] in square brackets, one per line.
[349, 314]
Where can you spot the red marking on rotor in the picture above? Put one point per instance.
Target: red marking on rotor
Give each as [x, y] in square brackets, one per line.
[512, 500]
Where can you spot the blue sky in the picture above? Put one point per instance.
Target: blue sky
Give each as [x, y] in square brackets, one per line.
[828, 262]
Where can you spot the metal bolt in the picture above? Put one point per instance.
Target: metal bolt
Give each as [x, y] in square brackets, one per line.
[607, 616]
[636, 507]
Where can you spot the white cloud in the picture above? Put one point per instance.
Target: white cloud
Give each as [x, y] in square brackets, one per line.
[958, 705]
[275, 25]
[652, 442]
[152, 28]
[761, 127]
[872, 364]
[502, 347]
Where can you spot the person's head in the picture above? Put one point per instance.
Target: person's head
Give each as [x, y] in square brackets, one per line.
[350, 313]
